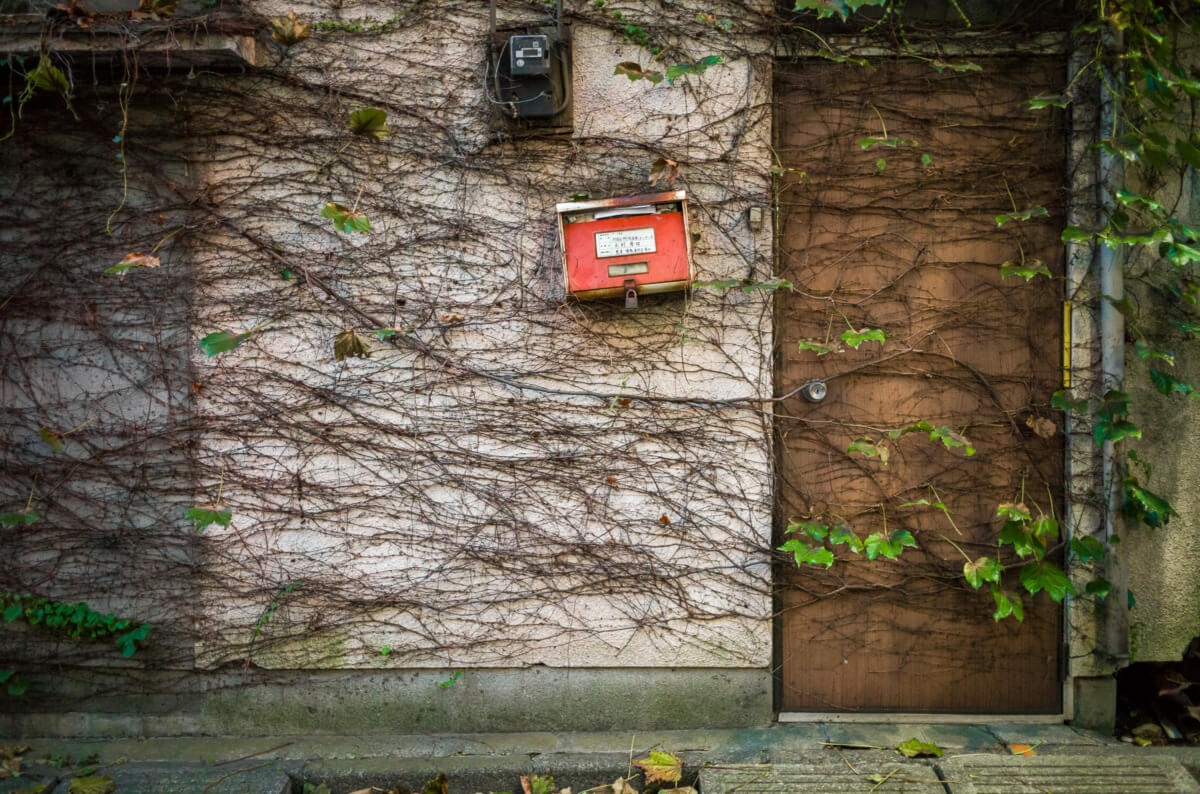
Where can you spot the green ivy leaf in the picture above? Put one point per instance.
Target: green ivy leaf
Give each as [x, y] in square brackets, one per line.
[1045, 526]
[926, 159]
[14, 683]
[204, 515]
[345, 219]
[856, 338]
[223, 341]
[1074, 233]
[956, 67]
[983, 569]
[1128, 198]
[1189, 327]
[1027, 269]
[1166, 383]
[1189, 152]
[1115, 430]
[1099, 587]
[1148, 352]
[1046, 576]
[866, 446]
[133, 261]
[827, 8]
[675, 71]
[891, 143]
[817, 347]
[18, 518]
[842, 535]
[1015, 534]
[49, 77]
[1007, 604]
[951, 439]
[1048, 101]
[1144, 505]
[56, 440]
[369, 122]
[877, 544]
[1023, 215]
[1062, 401]
[915, 748]
[1087, 548]
[808, 555]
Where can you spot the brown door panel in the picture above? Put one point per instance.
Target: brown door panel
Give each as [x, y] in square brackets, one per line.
[911, 246]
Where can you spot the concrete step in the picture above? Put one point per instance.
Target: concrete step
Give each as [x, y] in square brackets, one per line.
[1122, 773]
[1068, 774]
[880, 778]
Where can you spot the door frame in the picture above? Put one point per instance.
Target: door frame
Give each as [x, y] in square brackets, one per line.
[1081, 363]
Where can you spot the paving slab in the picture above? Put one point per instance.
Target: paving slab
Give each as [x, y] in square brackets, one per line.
[969, 738]
[149, 778]
[1095, 773]
[890, 778]
[1015, 733]
[466, 774]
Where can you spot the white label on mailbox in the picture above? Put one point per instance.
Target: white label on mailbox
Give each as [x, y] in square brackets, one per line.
[627, 242]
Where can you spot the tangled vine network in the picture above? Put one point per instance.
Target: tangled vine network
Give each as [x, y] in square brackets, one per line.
[480, 471]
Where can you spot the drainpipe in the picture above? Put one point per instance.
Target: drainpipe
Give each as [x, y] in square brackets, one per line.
[1114, 633]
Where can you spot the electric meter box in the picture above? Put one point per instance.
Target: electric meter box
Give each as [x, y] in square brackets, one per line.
[528, 55]
[626, 246]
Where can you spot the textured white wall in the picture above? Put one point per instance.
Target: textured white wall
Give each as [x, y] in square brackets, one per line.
[506, 283]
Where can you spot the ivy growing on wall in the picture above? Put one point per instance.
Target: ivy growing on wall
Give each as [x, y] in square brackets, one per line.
[352, 311]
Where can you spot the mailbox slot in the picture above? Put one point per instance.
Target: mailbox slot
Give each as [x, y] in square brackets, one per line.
[612, 246]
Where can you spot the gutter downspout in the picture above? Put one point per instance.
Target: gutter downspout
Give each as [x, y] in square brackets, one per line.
[1114, 631]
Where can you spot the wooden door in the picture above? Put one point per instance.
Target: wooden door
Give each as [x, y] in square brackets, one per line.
[896, 230]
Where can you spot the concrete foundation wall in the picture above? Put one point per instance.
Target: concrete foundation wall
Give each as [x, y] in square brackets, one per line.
[405, 701]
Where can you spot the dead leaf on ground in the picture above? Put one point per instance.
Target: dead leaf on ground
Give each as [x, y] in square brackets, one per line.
[1043, 427]
[289, 30]
[96, 784]
[681, 790]
[618, 786]
[10, 759]
[915, 748]
[661, 765]
[439, 785]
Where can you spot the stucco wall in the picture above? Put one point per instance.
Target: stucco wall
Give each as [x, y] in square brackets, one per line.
[522, 479]
[1163, 561]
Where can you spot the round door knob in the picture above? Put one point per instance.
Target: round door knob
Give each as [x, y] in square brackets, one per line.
[814, 391]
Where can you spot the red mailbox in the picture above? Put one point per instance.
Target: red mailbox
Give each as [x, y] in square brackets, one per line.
[626, 246]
